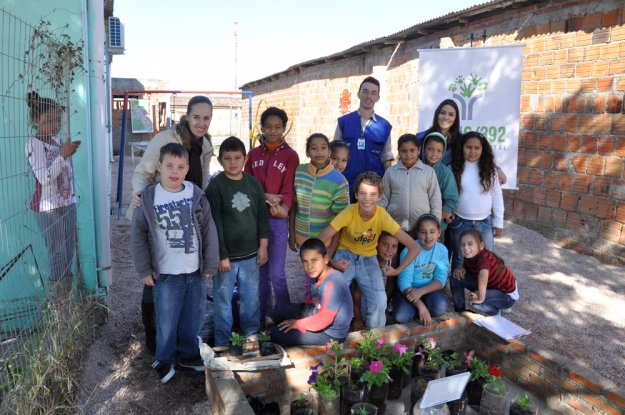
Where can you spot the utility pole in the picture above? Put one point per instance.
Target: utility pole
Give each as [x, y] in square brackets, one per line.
[236, 34]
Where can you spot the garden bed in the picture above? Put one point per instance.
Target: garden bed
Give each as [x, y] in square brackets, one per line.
[558, 383]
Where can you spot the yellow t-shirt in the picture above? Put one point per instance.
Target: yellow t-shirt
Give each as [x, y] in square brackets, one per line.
[360, 237]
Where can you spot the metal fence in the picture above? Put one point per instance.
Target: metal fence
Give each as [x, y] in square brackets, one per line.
[38, 242]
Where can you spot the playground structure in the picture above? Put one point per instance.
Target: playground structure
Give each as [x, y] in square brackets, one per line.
[122, 149]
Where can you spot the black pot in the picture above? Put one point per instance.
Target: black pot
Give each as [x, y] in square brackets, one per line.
[458, 370]
[296, 406]
[515, 409]
[417, 362]
[235, 350]
[432, 375]
[459, 407]
[405, 378]
[377, 397]
[394, 386]
[351, 396]
[474, 391]
[267, 348]
[416, 393]
[357, 373]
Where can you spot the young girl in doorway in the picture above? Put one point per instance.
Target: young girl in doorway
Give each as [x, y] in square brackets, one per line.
[422, 281]
[320, 194]
[54, 201]
[480, 194]
[484, 273]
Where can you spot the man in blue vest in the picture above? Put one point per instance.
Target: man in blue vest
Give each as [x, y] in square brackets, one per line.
[368, 136]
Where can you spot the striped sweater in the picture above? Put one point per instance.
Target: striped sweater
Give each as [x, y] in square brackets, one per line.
[320, 195]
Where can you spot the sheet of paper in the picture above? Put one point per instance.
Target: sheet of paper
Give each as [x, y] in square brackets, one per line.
[444, 390]
[502, 327]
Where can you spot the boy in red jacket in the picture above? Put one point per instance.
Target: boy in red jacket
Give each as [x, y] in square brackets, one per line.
[273, 164]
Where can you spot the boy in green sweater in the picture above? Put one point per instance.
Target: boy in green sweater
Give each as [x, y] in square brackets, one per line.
[237, 201]
[434, 146]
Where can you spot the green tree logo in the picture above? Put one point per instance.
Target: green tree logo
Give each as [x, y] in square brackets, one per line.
[467, 87]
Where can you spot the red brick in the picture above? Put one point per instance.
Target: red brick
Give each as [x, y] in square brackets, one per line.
[524, 175]
[534, 158]
[609, 51]
[559, 216]
[557, 122]
[589, 144]
[544, 214]
[560, 382]
[595, 165]
[531, 139]
[600, 104]
[610, 18]
[620, 216]
[581, 183]
[614, 167]
[573, 222]
[605, 84]
[581, 407]
[611, 230]
[602, 186]
[559, 162]
[313, 351]
[617, 395]
[589, 85]
[574, 143]
[620, 147]
[553, 198]
[578, 377]
[587, 205]
[539, 196]
[606, 145]
[592, 21]
[565, 181]
[603, 124]
[558, 142]
[544, 141]
[579, 162]
[522, 158]
[571, 123]
[547, 161]
[568, 202]
[604, 208]
[583, 70]
[617, 66]
[619, 83]
[541, 121]
[614, 104]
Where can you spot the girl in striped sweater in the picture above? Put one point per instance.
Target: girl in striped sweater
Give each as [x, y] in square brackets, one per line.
[484, 273]
[320, 194]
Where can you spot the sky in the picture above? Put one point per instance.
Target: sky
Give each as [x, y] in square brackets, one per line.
[190, 43]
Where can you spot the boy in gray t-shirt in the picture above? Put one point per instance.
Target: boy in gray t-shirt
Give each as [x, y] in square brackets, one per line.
[175, 246]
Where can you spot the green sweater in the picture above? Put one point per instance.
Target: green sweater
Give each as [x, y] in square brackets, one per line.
[240, 215]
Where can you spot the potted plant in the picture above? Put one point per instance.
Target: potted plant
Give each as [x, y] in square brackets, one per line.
[431, 354]
[357, 368]
[479, 372]
[371, 347]
[301, 402]
[351, 394]
[417, 389]
[236, 344]
[495, 392]
[453, 364]
[265, 345]
[335, 365]
[306, 411]
[418, 361]
[377, 378]
[521, 405]
[401, 361]
[328, 392]
[363, 409]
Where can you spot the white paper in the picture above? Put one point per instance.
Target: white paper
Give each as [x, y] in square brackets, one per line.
[444, 390]
[502, 327]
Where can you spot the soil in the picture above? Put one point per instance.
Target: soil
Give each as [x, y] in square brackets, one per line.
[572, 303]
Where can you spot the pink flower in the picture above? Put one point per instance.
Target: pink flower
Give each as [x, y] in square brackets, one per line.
[429, 344]
[376, 366]
[400, 348]
[329, 351]
[381, 343]
[420, 353]
[470, 357]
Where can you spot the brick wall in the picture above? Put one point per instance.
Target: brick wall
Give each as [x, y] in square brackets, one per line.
[572, 137]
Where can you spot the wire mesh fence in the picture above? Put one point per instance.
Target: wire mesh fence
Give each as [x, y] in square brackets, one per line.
[38, 239]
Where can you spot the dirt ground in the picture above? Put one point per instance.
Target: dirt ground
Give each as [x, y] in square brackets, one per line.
[572, 303]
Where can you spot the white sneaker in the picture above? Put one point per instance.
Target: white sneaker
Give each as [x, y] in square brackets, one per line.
[506, 310]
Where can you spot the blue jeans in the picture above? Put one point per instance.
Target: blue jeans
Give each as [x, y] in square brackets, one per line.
[367, 273]
[180, 305]
[495, 299]
[404, 311]
[459, 225]
[294, 337]
[245, 274]
[58, 227]
[272, 274]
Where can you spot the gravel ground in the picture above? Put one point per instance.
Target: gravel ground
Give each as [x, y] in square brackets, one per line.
[573, 304]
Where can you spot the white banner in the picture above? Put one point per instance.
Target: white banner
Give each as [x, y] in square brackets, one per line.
[485, 82]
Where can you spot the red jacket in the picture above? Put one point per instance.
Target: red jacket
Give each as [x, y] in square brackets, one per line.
[274, 170]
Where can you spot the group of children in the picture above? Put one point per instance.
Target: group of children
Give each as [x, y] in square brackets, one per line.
[266, 200]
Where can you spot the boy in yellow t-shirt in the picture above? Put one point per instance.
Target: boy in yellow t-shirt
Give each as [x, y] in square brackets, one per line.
[360, 226]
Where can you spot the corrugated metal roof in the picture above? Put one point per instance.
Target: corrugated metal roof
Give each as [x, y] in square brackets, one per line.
[444, 22]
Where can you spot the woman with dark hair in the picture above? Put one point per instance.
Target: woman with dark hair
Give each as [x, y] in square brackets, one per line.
[447, 123]
[192, 133]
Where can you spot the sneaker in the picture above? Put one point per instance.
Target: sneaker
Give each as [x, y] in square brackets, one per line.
[165, 370]
[506, 310]
[195, 363]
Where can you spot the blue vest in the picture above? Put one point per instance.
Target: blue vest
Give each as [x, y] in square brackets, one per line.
[369, 159]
